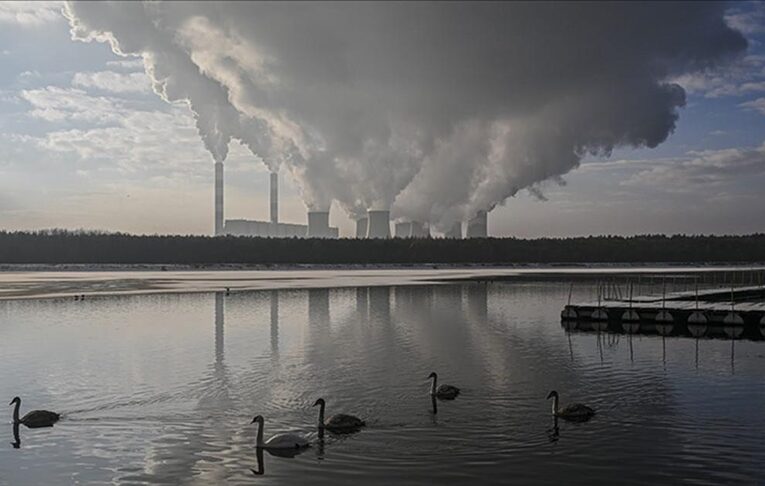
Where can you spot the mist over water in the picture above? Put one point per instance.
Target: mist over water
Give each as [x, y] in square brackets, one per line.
[161, 389]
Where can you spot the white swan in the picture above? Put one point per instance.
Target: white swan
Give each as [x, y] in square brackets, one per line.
[279, 441]
[444, 392]
[576, 412]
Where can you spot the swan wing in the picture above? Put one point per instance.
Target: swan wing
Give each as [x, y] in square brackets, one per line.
[577, 411]
[447, 391]
[344, 421]
[40, 418]
[286, 441]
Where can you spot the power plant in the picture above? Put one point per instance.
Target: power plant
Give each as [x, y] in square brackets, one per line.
[477, 226]
[412, 229]
[317, 227]
[376, 224]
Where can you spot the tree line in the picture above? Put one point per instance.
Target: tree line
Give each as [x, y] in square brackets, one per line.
[86, 247]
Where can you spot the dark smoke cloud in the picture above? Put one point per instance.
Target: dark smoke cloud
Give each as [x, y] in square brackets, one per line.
[438, 109]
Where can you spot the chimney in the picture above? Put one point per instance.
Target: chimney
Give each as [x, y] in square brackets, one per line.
[477, 226]
[318, 224]
[274, 197]
[455, 231]
[218, 198]
[379, 224]
[361, 227]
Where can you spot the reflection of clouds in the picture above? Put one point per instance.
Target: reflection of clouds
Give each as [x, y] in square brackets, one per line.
[176, 455]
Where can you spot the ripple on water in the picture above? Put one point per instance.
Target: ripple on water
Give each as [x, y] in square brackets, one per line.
[162, 391]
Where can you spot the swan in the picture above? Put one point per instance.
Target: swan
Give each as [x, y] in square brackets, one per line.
[575, 412]
[35, 418]
[339, 423]
[279, 441]
[444, 392]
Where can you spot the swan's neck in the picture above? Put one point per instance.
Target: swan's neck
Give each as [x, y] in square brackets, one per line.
[555, 405]
[259, 440]
[16, 412]
[321, 415]
[433, 386]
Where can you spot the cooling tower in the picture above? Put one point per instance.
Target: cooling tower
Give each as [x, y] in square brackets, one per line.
[419, 230]
[379, 224]
[361, 228]
[477, 226]
[402, 230]
[413, 229]
[274, 197]
[318, 224]
[455, 231]
[218, 198]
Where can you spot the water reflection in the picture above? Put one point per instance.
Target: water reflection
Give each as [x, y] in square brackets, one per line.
[162, 389]
[16, 437]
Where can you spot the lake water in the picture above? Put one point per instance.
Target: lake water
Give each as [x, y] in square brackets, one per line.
[160, 389]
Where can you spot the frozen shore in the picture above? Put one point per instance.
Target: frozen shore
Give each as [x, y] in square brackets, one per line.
[61, 281]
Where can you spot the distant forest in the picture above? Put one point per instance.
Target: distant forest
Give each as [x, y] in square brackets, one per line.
[78, 247]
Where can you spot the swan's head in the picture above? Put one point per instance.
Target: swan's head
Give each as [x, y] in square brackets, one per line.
[258, 419]
[15, 401]
[432, 376]
[552, 394]
[320, 401]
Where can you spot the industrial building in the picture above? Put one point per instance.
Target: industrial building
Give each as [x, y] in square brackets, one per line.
[412, 229]
[376, 224]
[317, 227]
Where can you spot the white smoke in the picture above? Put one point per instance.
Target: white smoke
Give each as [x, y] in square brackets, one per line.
[438, 109]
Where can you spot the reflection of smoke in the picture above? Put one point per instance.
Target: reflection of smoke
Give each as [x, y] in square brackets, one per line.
[442, 109]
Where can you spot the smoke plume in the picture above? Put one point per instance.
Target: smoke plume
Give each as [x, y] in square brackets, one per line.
[436, 109]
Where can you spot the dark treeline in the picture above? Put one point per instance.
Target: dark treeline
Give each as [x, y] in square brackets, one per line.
[59, 246]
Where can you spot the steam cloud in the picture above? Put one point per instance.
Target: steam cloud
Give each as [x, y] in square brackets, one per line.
[438, 110]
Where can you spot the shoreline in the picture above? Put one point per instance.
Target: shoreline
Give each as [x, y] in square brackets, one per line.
[24, 282]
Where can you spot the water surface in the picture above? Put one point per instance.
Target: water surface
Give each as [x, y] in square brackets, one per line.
[160, 389]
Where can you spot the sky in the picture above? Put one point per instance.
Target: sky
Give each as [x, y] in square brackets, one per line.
[87, 142]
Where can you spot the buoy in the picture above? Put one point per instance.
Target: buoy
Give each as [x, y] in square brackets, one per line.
[599, 315]
[569, 313]
[697, 330]
[664, 316]
[733, 331]
[733, 319]
[664, 328]
[762, 326]
[697, 317]
[630, 315]
[599, 326]
[631, 327]
[569, 325]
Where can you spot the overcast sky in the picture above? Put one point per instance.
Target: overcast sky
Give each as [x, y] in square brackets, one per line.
[86, 143]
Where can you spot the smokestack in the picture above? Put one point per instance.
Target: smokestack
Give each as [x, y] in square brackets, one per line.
[361, 227]
[218, 198]
[378, 225]
[455, 231]
[477, 226]
[274, 197]
[318, 224]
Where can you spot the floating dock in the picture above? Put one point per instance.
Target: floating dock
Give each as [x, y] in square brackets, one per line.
[723, 312]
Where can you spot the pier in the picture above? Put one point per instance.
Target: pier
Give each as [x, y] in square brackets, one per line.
[721, 311]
